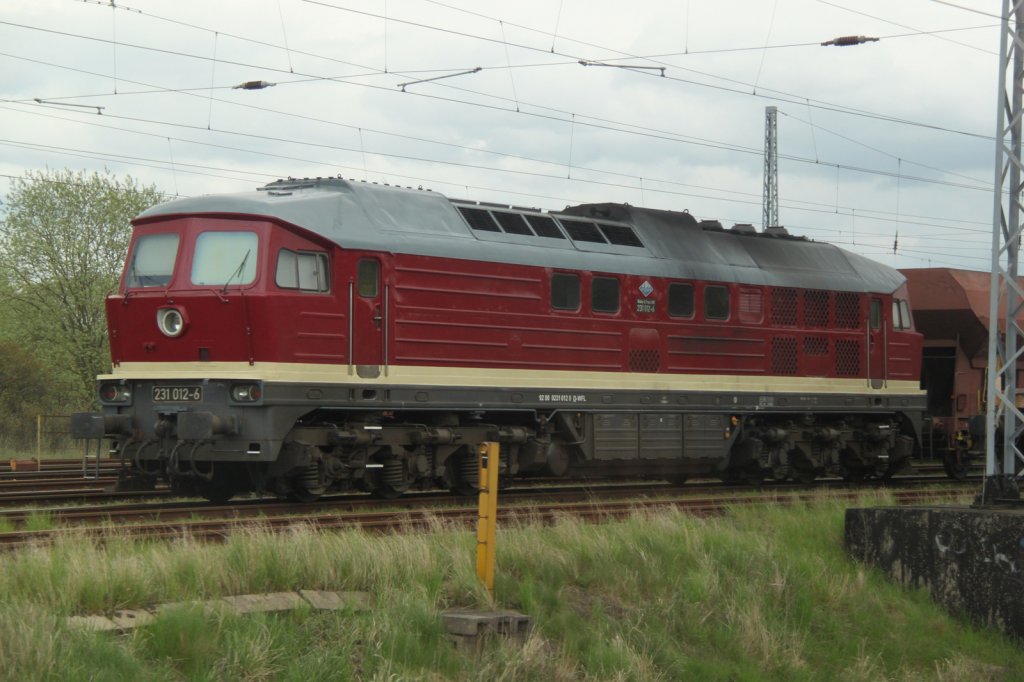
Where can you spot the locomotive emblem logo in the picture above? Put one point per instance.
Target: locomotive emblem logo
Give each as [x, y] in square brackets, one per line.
[645, 304]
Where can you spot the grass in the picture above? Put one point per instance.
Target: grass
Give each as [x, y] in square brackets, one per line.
[763, 594]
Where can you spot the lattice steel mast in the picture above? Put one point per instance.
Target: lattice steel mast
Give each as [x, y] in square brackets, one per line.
[1004, 420]
[770, 196]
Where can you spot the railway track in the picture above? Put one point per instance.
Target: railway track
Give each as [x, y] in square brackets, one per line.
[592, 503]
[60, 482]
[18, 468]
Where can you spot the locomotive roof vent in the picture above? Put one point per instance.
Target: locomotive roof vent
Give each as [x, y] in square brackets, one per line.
[743, 228]
[711, 225]
[776, 231]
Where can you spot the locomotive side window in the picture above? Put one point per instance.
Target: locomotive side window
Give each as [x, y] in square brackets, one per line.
[223, 258]
[301, 270]
[368, 278]
[153, 260]
[751, 306]
[544, 226]
[583, 231]
[905, 314]
[479, 219]
[876, 313]
[604, 295]
[621, 235]
[565, 291]
[680, 299]
[900, 314]
[716, 303]
[513, 223]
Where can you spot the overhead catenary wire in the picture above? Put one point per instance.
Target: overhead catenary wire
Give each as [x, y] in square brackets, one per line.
[818, 103]
[317, 144]
[806, 101]
[826, 231]
[594, 122]
[574, 115]
[748, 88]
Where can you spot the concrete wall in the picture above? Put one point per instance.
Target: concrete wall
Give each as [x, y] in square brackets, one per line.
[970, 560]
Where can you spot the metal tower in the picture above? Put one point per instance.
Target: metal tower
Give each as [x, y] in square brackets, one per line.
[770, 196]
[1004, 421]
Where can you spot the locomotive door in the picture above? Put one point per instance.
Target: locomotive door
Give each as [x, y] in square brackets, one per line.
[368, 307]
[876, 340]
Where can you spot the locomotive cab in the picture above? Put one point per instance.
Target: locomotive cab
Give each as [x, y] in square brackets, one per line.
[204, 298]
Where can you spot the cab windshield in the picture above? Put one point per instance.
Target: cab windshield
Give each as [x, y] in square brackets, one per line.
[225, 259]
[152, 261]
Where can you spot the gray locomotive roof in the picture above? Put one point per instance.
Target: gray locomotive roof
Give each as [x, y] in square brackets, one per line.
[359, 215]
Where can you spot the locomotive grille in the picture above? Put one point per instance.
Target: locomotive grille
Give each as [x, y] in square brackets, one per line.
[847, 358]
[816, 308]
[847, 310]
[815, 345]
[644, 360]
[784, 355]
[784, 307]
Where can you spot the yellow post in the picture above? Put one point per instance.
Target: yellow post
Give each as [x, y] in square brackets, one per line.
[486, 530]
[39, 441]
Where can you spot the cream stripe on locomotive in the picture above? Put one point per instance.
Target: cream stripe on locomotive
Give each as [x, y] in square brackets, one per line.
[504, 378]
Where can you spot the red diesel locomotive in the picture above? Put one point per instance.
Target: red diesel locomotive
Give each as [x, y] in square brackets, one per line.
[324, 334]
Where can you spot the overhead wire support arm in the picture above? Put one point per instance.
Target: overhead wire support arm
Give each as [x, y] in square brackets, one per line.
[629, 67]
[437, 78]
[847, 41]
[99, 110]
[253, 85]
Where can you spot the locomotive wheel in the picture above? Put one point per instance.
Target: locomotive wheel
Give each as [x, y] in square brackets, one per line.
[853, 475]
[749, 473]
[304, 496]
[467, 475]
[217, 492]
[752, 477]
[956, 464]
[386, 492]
[804, 475]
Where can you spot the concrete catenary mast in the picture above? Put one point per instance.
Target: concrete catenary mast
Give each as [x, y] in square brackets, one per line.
[770, 196]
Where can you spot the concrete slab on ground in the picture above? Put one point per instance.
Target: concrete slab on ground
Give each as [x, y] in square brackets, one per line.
[96, 623]
[274, 602]
[126, 619]
[970, 559]
[264, 603]
[336, 601]
[472, 622]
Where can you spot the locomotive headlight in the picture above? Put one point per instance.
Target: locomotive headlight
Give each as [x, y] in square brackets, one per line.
[171, 321]
[114, 393]
[246, 393]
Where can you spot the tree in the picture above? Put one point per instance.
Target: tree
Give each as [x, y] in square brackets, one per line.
[25, 391]
[63, 240]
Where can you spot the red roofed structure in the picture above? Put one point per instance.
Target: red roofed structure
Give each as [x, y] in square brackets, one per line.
[951, 311]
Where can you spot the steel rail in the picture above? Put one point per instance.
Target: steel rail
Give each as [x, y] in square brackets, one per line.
[414, 519]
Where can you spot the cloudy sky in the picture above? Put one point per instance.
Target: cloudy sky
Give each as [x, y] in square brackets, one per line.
[883, 145]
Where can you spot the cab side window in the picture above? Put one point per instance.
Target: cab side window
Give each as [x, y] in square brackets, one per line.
[680, 299]
[565, 291]
[716, 302]
[901, 314]
[368, 278]
[604, 295]
[302, 270]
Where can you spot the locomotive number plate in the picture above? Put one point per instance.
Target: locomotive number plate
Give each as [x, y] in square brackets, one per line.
[177, 394]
